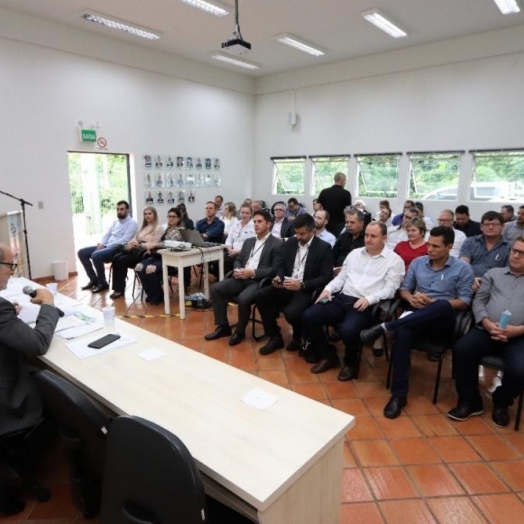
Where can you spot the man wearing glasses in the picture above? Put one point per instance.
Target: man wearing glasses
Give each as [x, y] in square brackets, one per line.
[446, 218]
[501, 289]
[487, 250]
[20, 403]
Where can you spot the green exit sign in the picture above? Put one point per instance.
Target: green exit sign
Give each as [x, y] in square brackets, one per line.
[88, 135]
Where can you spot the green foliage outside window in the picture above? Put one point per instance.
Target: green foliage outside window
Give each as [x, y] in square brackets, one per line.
[324, 170]
[378, 175]
[434, 176]
[288, 176]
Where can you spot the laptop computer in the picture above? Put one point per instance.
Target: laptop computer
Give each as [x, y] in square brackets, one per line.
[196, 239]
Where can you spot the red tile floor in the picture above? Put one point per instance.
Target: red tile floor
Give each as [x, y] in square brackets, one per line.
[419, 468]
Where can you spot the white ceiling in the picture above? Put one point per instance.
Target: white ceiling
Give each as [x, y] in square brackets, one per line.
[335, 25]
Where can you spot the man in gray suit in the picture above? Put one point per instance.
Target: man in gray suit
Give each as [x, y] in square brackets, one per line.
[20, 403]
[257, 260]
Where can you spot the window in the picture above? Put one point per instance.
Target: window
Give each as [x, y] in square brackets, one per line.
[378, 175]
[434, 176]
[288, 175]
[324, 170]
[497, 176]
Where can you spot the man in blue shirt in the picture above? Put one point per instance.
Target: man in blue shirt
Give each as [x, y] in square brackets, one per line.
[487, 250]
[435, 287]
[93, 258]
[211, 227]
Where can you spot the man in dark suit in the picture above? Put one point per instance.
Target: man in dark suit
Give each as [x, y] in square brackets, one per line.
[20, 403]
[306, 265]
[281, 226]
[257, 260]
[335, 199]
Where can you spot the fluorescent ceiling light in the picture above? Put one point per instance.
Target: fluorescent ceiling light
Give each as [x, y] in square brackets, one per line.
[229, 59]
[114, 23]
[300, 44]
[375, 17]
[508, 7]
[213, 8]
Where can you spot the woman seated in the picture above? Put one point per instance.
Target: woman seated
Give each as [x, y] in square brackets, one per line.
[186, 222]
[149, 270]
[415, 246]
[134, 251]
[229, 217]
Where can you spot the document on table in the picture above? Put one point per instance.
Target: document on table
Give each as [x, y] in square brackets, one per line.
[77, 324]
[81, 350]
[259, 399]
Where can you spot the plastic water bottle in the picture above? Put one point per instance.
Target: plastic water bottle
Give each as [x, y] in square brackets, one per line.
[504, 319]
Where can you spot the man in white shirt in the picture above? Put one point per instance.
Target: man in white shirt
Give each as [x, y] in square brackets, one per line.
[240, 231]
[446, 218]
[257, 260]
[93, 258]
[369, 274]
[400, 233]
[321, 219]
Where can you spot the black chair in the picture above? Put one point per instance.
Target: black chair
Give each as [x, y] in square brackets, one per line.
[494, 361]
[83, 427]
[150, 477]
[435, 347]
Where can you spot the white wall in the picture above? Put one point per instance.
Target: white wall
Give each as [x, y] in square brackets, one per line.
[471, 104]
[45, 92]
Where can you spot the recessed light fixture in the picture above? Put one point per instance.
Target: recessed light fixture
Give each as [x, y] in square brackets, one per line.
[508, 7]
[378, 19]
[213, 8]
[240, 62]
[300, 44]
[114, 23]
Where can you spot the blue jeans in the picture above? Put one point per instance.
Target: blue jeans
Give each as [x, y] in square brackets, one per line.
[93, 260]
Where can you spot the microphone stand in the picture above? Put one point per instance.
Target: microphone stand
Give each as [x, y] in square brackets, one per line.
[23, 204]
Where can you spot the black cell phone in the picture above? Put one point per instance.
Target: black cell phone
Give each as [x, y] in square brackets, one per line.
[104, 341]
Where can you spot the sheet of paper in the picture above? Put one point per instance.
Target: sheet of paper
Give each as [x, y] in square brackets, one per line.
[79, 331]
[151, 354]
[259, 399]
[81, 350]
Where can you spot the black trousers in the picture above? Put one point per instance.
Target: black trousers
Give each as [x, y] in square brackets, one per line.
[467, 353]
[271, 300]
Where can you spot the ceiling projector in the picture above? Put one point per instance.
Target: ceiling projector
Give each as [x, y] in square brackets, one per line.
[236, 45]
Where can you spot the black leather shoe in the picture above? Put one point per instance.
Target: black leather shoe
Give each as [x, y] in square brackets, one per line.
[89, 285]
[10, 505]
[273, 344]
[463, 412]
[294, 345]
[236, 338]
[500, 416]
[347, 373]
[100, 288]
[368, 336]
[311, 358]
[220, 331]
[394, 407]
[325, 364]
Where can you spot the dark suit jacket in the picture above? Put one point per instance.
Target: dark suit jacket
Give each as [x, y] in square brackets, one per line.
[318, 270]
[286, 229]
[269, 258]
[20, 403]
[334, 199]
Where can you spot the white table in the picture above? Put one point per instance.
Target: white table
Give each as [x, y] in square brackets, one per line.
[182, 259]
[281, 465]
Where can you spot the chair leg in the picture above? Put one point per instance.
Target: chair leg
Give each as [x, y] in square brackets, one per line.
[254, 322]
[390, 369]
[519, 411]
[359, 358]
[437, 378]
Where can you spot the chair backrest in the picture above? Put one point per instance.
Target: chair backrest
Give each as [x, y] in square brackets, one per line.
[150, 477]
[78, 418]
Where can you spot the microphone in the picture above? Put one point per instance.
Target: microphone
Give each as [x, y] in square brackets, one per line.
[28, 290]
